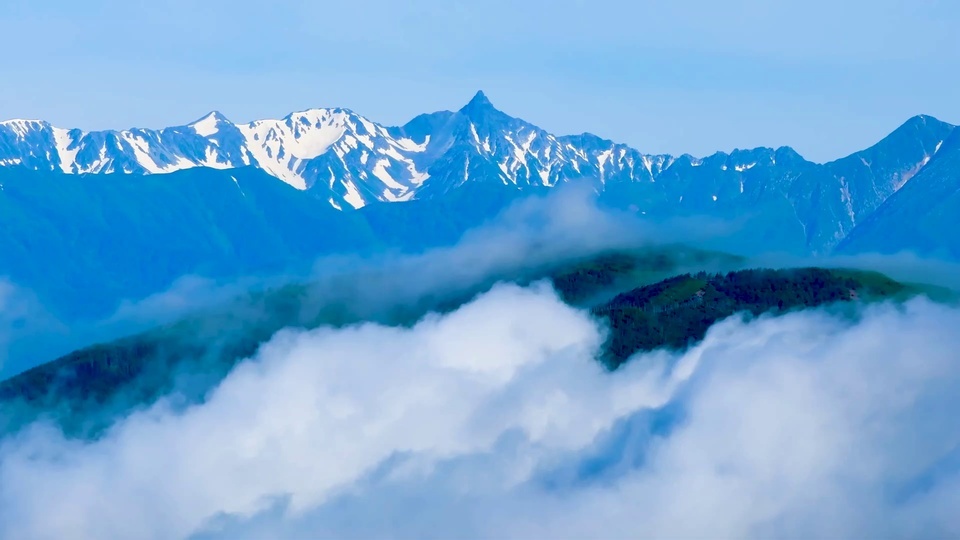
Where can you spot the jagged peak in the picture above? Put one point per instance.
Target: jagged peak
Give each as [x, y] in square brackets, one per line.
[23, 127]
[922, 119]
[921, 128]
[318, 115]
[212, 115]
[784, 153]
[321, 111]
[586, 137]
[23, 122]
[209, 123]
[479, 100]
[478, 105]
[919, 122]
[688, 159]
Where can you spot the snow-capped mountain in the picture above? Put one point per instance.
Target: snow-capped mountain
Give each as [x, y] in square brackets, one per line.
[359, 161]
[293, 149]
[350, 162]
[481, 143]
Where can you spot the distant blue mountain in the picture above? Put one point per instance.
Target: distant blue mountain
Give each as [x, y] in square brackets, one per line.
[922, 216]
[83, 242]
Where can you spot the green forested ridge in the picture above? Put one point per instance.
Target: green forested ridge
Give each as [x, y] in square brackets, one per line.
[192, 354]
[82, 390]
[678, 311]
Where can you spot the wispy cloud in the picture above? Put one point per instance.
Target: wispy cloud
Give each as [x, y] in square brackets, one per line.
[24, 324]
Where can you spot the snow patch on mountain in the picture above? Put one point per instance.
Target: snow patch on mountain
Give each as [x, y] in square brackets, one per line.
[208, 125]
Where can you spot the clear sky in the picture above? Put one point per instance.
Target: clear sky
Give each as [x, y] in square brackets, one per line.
[824, 76]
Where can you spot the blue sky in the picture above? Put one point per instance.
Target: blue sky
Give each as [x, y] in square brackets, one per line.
[827, 77]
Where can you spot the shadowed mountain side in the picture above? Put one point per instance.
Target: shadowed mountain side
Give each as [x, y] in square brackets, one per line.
[84, 242]
[922, 217]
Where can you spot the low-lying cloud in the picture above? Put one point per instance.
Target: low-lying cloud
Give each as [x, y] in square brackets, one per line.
[566, 223]
[30, 334]
[24, 324]
[496, 421]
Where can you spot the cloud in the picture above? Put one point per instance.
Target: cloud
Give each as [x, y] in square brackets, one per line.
[312, 414]
[496, 421]
[533, 232]
[24, 324]
[30, 334]
[186, 294]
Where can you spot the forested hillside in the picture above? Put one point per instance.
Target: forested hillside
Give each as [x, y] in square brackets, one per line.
[192, 354]
[678, 311]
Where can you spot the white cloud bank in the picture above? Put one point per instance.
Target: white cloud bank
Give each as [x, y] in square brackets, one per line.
[495, 422]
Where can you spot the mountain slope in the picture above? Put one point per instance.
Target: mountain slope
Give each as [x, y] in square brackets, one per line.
[82, 242]
[835, 198]
[922, 216]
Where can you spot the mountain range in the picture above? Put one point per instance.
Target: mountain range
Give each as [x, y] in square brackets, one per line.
[339, 155]
[130, 211]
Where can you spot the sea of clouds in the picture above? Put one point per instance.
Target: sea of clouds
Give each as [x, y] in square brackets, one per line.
[495, 421]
